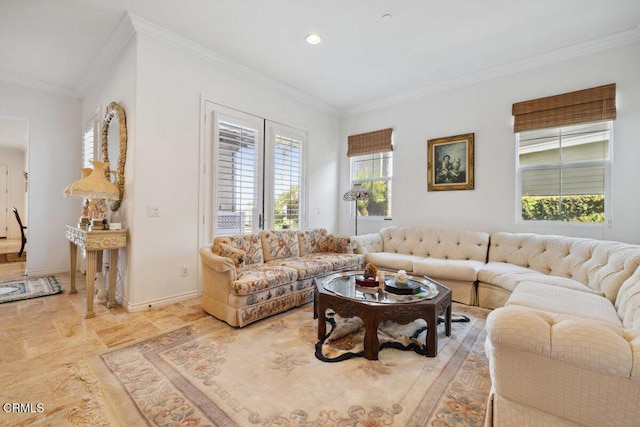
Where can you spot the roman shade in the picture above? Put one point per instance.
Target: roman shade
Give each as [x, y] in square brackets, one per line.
[378, 141]
[583, 106]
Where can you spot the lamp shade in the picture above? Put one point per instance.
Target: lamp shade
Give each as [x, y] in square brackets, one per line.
[357, 192]
[94, 186]
[85, 173]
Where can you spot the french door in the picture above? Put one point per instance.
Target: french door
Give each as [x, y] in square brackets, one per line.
[255, 177]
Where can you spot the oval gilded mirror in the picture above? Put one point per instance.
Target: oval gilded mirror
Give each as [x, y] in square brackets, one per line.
[114, 147]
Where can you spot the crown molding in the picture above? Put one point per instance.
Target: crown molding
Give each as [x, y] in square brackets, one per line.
[596, 45]
[37, 85]
[123, 32]
[165, 36]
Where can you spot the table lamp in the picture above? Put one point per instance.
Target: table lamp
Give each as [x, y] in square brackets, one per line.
[97, 188]
[357, 193]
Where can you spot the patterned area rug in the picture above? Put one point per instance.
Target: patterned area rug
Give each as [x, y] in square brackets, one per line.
[266, 374]
[28, 287]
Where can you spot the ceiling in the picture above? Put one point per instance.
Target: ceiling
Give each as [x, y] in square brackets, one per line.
[363, 60]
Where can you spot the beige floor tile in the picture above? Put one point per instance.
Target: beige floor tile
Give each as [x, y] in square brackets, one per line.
[45, 342]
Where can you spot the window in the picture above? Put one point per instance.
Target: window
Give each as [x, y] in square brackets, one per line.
[256, 177]
[564, 145]
[285, 157]
[372, 165]
[564, 172]
[374, 172]
[89, 145]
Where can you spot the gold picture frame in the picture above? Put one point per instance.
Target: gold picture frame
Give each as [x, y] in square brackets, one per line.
[450, 163]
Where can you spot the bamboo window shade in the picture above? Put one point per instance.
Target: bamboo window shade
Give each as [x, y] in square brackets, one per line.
[582, 106]
[378, 141]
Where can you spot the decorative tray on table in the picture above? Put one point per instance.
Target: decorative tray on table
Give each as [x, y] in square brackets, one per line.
[409, 288]
[368, 282]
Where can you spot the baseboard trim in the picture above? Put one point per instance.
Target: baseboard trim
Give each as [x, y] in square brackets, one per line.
[146, 305]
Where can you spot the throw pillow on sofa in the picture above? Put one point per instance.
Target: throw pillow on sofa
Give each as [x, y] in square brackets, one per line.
[227, 251]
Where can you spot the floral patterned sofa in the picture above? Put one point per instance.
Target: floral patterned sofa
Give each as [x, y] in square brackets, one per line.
[249, 277]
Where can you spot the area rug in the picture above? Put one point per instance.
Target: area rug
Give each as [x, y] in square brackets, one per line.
[28, 287]
[207, 373]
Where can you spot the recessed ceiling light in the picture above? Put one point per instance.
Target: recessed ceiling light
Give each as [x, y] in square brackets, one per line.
[314, 38]
[387, 17]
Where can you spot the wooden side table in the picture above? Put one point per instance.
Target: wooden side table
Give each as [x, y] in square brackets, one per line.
[95, 242]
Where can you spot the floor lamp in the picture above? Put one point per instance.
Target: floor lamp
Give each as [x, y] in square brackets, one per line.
[357, 192]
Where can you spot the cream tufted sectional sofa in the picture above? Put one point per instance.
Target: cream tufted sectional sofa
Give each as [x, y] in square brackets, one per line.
[452, 257]
[563, 340]
[564, 349]
[246, 278]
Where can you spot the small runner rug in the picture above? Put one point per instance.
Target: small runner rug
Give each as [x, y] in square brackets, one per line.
[266, 374]
[28, 287]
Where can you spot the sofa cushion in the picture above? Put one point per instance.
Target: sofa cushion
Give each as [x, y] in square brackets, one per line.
[278, 244]
[339, 244]
[250, 244]
[601, 265]
[305, 266]
[439, 243]
[508, 276]
[453, 269]
[556, 299]
[312, 241]
[392, 261]
[228, 251]
[340, 261]
[258, 277]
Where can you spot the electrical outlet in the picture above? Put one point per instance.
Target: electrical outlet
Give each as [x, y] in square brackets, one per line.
[153, 211]
[184, 271]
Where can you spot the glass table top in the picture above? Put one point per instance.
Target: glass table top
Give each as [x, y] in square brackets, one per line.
[344, 284]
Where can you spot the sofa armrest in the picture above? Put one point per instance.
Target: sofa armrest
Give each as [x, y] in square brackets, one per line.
[580, 342]
[367, 243]
[216, 262]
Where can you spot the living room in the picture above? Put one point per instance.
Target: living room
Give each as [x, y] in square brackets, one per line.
[163, 80]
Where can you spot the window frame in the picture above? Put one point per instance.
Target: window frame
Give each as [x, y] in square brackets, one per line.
[606, 164]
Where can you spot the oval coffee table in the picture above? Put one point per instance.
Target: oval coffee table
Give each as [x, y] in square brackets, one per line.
[340, 293]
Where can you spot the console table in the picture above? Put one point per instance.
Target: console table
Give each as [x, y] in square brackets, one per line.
[95, 242]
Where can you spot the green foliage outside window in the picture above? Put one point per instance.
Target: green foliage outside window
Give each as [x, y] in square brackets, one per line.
[567, 208]
[379, 205]
[286, 209]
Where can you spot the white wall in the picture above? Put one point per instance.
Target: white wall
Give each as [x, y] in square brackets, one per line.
[117, 83]
[485, 109]
[15, 159]
[53, 156]
[170, 86]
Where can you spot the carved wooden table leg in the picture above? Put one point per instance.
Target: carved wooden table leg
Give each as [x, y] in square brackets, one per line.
[322, 322]
[371, 342]
[91, 277]
[432, 331]
[73, 251]
[113, 275]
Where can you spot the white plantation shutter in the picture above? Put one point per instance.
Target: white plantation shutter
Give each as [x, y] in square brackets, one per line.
[254, 174]
[236, 173]
[89, 146]
[287, 155]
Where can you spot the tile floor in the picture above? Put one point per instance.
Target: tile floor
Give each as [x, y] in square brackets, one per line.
[44, 343]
